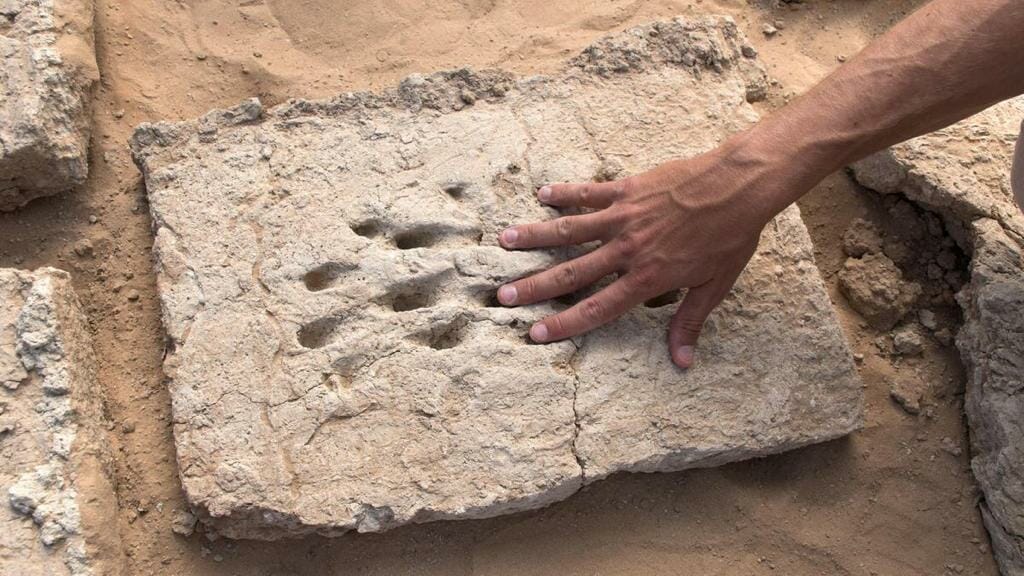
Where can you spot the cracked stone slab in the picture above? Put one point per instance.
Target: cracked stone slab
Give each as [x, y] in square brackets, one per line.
[963, 173]
[59, 504]
[46, 77]
[327, 272]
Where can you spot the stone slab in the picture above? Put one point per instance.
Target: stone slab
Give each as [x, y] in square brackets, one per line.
[963, 173]
[48, 69]
[59, 516]
[327, 272]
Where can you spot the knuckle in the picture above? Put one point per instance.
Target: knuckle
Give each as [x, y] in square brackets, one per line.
[525, 233]
[583, 194]
[592, 310]
[690, 325]
[527, 288]
[645, 277]
[628, 244]
[567, 275]
[556, 326]
[625, 187]
[564, 228]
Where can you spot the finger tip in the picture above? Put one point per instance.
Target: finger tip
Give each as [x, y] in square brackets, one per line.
[508, 237]
[507, 295]
[539, 333]
[544, 193]
[683, 356]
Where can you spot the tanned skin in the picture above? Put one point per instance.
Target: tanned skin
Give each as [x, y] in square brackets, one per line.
[694, 223]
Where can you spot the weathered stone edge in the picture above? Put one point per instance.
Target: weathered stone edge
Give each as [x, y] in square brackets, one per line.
[61, 352]
[704, 45]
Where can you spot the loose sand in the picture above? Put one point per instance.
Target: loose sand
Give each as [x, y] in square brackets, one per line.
[888, 500]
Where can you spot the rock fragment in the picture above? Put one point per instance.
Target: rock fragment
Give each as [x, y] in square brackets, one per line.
[366, 378]
[928, 320]
[876, 289]
[53, 461]
[907, 342]
[183, 523]
[47, 74]
[908, 394]
[861, 237]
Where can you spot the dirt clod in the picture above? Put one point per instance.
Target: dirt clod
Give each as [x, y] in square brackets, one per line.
[862, 237]
[907, 393]
[877, 290]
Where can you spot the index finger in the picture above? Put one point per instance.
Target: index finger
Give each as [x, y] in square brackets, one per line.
[597, 310]
[583, 194]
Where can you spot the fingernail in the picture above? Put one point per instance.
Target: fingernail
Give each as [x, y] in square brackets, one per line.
[684, 356]
[510, 236]
[539, 333]
[507, 294]
[544, 194]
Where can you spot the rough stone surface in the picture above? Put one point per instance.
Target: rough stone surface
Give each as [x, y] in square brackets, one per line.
[907, 341]
[992, 345]
[908, 394]
[338, 359]
[59, 503]
[861, 237]
[877, 290]
[46, 75]
[963, 173]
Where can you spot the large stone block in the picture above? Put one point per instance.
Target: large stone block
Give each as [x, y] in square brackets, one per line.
[60, 510]
[963, 172]
[46, 76]
[327, 272]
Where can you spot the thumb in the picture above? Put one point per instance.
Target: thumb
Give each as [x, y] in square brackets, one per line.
[686, 324]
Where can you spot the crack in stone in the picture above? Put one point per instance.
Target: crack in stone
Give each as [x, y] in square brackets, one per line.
[575, 411]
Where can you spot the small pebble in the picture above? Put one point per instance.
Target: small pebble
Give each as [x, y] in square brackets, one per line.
[184, 523]
[928, 320]
[83, 248]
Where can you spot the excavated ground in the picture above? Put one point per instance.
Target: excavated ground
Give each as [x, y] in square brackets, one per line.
[896, 497]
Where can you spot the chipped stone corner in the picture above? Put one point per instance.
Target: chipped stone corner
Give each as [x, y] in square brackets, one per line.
[55, 472]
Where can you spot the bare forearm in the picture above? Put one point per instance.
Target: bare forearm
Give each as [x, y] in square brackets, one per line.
[945, 62]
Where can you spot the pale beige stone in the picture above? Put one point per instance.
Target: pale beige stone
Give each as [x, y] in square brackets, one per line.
[327, 272]
[59, 513]
[47, 72]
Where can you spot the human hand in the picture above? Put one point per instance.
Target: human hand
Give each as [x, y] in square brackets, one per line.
[686, 224]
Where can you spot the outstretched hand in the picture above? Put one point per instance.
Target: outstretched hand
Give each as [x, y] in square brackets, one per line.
[685, 224]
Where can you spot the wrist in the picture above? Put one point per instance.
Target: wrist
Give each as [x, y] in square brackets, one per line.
[779, 164]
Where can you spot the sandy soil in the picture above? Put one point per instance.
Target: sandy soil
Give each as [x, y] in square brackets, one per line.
[888, 500]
